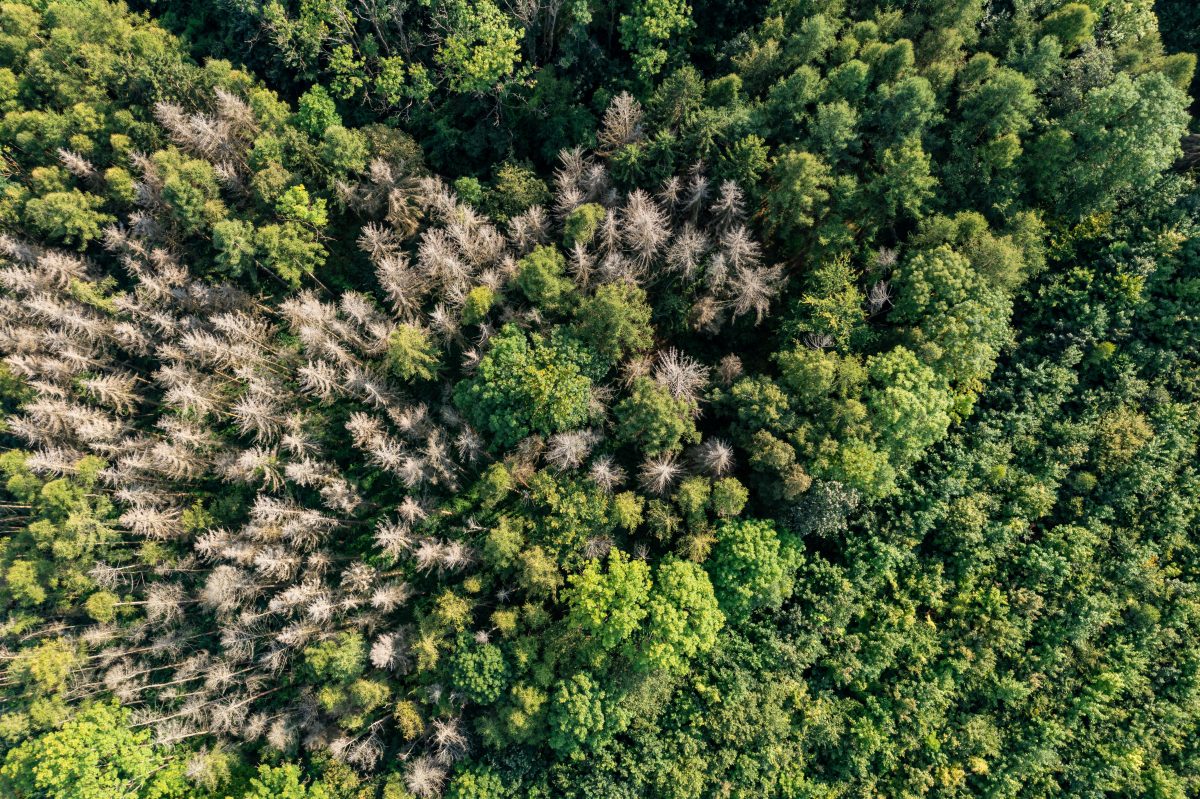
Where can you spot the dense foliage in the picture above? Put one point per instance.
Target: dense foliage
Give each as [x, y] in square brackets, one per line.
[633, 399]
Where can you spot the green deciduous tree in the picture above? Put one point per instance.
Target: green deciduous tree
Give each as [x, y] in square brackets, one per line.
[576, 715]
[542, 279]
[615, 321]
[608, 606]
[190, 188]
[291, 250]
[72, 217]
[93, 756]
[282, 782]
[341, 658]
[582, 223]
[411, 353]
[316, 112]
[479, 302]
[751, 568]
[516, 188]
[798, 195]
[477, 782]
[959, 321]
[650, 29]
[1122, 135]
[479, 670]
[526, 385]
[235, 245]
[482, 47]
[653, 420]
[69, 527]
[1071, 24]
[908, 407]
[683, 620]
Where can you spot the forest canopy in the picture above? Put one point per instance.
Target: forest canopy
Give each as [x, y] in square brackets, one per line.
[724, 399]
